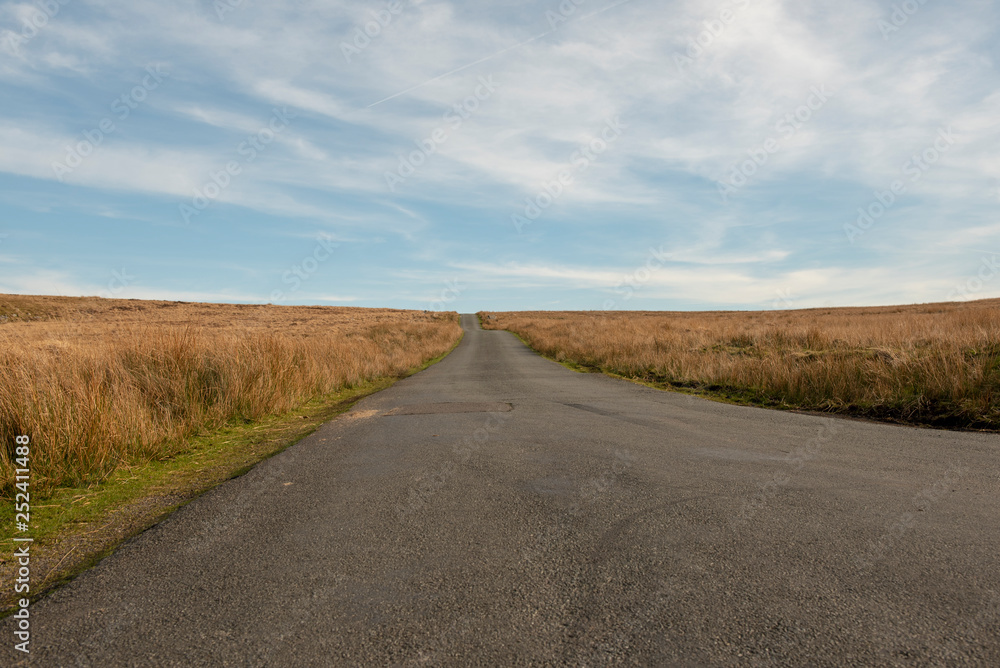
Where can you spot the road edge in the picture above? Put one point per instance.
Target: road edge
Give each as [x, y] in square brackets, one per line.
[722, 398]
[117, 523]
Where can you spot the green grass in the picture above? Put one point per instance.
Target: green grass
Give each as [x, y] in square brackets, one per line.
[74, 527]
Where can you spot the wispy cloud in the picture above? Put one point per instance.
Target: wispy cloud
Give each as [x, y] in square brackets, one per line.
[704, 92]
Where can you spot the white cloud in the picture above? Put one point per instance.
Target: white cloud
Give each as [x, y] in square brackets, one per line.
[685, 129]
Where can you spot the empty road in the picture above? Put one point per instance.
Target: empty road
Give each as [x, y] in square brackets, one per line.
[499, 509]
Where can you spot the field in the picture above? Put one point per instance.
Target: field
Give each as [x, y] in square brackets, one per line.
[101, 384]
[931, 364]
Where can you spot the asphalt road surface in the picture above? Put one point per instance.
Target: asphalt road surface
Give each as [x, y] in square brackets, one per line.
[499, 509]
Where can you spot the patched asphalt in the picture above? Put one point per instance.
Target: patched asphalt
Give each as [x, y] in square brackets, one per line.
[498, 509]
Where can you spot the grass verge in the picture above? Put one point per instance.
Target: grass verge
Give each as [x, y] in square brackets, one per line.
[75, 527]
[935, 365]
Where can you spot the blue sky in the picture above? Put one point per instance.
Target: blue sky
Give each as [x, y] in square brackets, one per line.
[569, 154]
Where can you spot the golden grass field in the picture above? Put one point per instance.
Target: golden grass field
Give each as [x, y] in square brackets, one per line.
[930, 364]
[104, 383]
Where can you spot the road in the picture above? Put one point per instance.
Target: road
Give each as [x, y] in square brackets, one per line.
[499, 509]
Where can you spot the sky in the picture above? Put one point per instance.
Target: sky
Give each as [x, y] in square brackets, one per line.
[508, 155]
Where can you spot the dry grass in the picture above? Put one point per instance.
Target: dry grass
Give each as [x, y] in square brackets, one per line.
[99, 384]
[932, 364]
